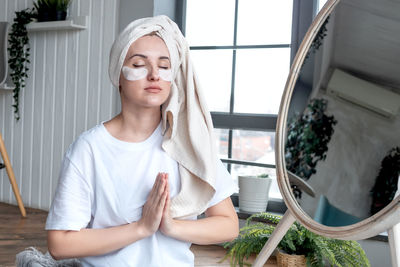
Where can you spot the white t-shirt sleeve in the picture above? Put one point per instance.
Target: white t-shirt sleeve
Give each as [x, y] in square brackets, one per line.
[225, 186]
[71, 206]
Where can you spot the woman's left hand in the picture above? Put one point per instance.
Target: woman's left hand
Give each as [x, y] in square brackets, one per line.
[167, 222]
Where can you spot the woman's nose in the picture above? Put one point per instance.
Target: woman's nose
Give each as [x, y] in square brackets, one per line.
[153, 74]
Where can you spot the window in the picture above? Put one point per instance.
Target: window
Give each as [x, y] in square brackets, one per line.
[321, 3]
[241, 52]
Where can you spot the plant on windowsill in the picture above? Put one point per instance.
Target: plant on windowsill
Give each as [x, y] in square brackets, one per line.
[51, 10]
[307, 140]
[317, 250]
[18, 50]
[254, 192]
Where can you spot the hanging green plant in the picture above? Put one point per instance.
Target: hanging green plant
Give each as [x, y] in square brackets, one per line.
[307, 140]
[386, 183]
[18, 50]
[317, 42]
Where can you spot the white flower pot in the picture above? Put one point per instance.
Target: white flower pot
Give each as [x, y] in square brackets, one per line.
[253, 193]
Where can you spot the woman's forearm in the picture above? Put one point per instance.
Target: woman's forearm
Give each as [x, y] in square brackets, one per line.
[91, 242]
[210, 230]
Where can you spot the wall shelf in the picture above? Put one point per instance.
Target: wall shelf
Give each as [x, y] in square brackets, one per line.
[5, 86]
[76, 23]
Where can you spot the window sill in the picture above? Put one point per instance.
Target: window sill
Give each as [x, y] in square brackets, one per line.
[275, 205]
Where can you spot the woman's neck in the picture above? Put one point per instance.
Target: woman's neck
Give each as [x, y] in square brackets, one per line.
[133, 126]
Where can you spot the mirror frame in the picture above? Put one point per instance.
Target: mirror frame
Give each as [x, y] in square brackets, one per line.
[369, 227]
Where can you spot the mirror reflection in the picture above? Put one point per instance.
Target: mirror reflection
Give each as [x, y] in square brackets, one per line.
[343, 123]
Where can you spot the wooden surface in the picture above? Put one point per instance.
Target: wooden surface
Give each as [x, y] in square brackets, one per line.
[17, 233]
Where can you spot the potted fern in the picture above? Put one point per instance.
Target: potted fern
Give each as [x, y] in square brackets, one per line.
[316, 250]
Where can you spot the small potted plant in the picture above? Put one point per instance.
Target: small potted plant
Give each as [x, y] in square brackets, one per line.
[254, 192]
[299, 246]
[51, 10]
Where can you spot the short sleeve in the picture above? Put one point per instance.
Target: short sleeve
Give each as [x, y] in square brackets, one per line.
[225, 186]
[71, 206]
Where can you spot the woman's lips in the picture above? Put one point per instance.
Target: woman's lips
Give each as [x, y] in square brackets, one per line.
[153, 89]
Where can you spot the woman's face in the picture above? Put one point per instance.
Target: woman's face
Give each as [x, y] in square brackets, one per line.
[145, 79]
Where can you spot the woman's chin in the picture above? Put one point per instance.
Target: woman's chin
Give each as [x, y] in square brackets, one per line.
[149, 105]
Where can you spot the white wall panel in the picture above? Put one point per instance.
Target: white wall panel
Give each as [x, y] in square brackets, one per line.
[68, 91]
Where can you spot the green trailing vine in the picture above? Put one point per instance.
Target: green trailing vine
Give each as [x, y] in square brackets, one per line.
[386, 183]
[19, 54]
[317, 249]
[317, 42]
[307, 140]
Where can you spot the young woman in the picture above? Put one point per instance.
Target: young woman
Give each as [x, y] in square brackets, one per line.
[130, 189]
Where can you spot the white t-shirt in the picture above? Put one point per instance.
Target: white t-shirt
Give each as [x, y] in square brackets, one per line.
[105, 182]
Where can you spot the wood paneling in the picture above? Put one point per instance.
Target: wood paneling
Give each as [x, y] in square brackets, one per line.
[68, 91]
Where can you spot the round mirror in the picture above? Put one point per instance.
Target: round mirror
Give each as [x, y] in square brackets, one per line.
[338, 126]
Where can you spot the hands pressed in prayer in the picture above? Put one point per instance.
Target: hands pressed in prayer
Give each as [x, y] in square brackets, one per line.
[221, 224]
[156, 211]
[153, 209]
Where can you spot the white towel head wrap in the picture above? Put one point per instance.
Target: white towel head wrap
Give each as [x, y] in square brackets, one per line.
[187, 125]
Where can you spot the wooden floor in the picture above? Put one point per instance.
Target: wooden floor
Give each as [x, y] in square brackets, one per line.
[17, 233]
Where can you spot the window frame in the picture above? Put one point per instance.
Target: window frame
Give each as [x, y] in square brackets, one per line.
[302, 16]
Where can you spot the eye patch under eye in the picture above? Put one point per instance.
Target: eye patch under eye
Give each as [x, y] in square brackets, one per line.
[140, 73]
[134, 74]
[165, 74]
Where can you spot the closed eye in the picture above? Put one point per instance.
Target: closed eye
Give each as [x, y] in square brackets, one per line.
[137, 66]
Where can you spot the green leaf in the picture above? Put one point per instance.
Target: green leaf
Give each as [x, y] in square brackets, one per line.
[17, 41]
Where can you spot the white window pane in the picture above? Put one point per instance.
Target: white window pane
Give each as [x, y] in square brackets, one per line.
[255, 146]
[237, 170]
[210, 22]
[260, 79]
[264, 22]
[222, 140]
[214, 70]
[321, 4]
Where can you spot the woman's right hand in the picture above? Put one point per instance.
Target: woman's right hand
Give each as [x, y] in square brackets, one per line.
[153, 208]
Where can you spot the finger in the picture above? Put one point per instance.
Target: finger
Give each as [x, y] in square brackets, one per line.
[167, 179]
[158, 192]
[155, 186]
[161, 188]
[167, 204]
[167, 189]
[161, 203]
[167, 186]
